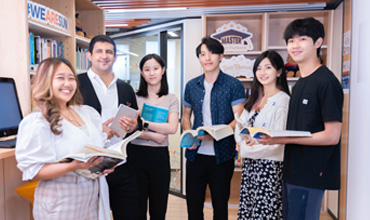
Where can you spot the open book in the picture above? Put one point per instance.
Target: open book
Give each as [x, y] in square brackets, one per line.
[218, 132]
[252, 133]
[122, 111]
[112, 155]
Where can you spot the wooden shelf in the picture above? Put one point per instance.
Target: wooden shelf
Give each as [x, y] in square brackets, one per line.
[82, 41]
[251, 53]
[90, 15]
[6, 152]
[245, 79]
[267, 29]
[46, 30]
[289, 79]
[277, 22]
[285, 47]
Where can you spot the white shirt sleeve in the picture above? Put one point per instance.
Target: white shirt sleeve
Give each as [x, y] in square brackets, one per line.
[34, 145]
[238, 126]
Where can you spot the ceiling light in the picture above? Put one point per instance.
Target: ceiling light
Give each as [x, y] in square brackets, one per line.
[123, 52]
[144, 10]
[172, 34]
[116, 25]
[163, 13]
[112, 29]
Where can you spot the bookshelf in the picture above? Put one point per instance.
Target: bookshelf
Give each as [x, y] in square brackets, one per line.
[15, 63]
[267, 29]
[74, 46]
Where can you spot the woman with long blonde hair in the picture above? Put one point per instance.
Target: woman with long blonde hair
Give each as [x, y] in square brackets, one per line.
[61, 126]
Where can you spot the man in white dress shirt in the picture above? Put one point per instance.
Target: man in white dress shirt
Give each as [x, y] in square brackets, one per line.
[102, 90]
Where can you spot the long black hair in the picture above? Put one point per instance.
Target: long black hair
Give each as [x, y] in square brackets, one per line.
[143, 86]
[257, 88]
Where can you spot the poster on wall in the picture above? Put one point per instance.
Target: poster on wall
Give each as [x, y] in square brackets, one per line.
[346, 61]
[234, 37]
[345, 74]
[238, 66]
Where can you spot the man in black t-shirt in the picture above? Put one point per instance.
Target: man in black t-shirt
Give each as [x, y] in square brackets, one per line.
[311, 164]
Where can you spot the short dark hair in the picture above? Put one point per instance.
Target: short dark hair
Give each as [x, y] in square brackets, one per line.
[143, 86]
[305, 27]
[257, 88]
[212, 44]
[102, 38]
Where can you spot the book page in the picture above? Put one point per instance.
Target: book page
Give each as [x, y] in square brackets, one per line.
[257, 132]
[218, 132]
[121, 145]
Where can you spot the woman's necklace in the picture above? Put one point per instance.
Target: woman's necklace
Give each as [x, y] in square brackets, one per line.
[72, 119]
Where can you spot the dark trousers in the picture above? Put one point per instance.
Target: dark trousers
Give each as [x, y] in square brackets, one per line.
[201, 172]
[301, 203]
[123, 193]
[152, 169]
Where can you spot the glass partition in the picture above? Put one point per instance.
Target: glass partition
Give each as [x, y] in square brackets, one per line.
[129, 53]
[130, 50]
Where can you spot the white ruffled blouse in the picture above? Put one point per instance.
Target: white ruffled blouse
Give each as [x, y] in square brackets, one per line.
[37, 145]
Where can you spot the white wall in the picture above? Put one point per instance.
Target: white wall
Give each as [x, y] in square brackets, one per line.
[358, 188]
[336, 67]
[192, 68]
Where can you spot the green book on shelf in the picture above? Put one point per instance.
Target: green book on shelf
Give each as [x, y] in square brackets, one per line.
[154, 113]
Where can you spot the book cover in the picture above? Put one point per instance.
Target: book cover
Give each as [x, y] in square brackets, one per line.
[122, 111]
[218, 132]
[38, 49]
[112, 155]
[32, 48]
[252, 133]
[154, 113]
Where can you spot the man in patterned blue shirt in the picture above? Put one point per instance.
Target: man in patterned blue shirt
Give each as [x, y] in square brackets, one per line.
[214, 98]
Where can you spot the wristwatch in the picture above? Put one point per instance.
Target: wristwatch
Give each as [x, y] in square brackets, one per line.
[145, 126]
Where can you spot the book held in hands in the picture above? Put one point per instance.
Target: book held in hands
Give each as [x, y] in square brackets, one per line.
[154, 113]
[123, 111]
[112, 155]
[252, 133]
[218, 132]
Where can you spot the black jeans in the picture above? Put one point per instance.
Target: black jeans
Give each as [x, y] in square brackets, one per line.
[201, 172]
[152, 169]
[123, 193]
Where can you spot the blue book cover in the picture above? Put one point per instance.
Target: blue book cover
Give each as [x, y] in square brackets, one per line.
[218, 132]
[187, 140]
[32, 48]
[154, 113]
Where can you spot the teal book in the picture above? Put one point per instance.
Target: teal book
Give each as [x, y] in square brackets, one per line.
[154, 113]
[218, 132]
[32, 48]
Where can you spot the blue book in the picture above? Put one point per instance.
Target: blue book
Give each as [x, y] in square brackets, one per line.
[154, 113]
[218, 132]
[32, 48]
